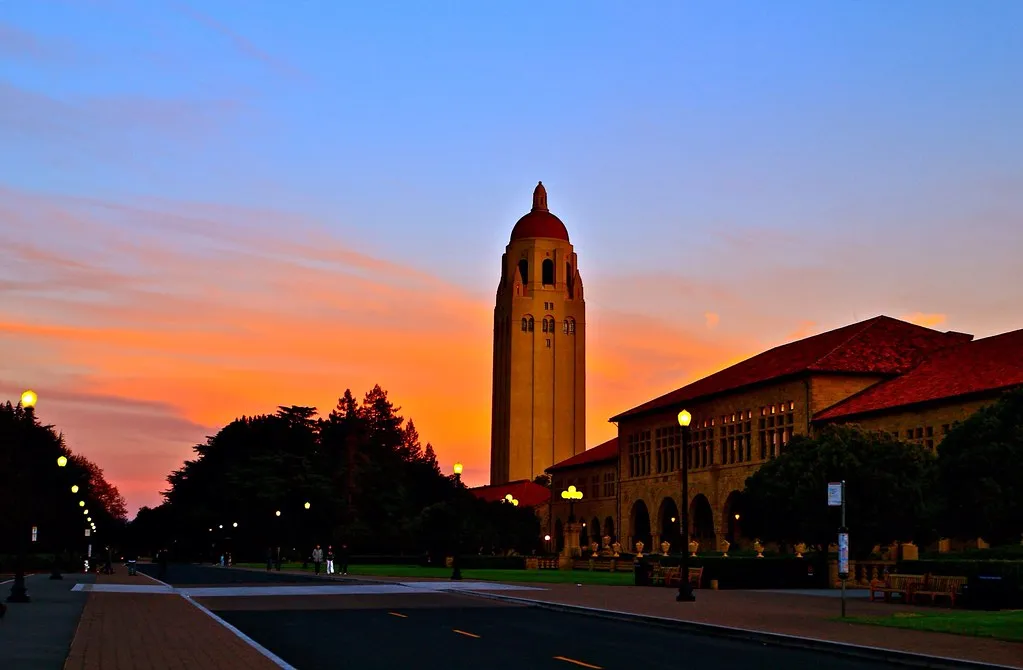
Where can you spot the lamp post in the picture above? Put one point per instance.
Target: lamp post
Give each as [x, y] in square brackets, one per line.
[19, 594]
[456, 569]
[685, 589]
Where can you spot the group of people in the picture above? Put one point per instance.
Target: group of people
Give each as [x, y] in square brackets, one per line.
[274, 559]
[318, 558]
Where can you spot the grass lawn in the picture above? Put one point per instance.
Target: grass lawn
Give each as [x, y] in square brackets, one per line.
[1004, 625]
[538, 576]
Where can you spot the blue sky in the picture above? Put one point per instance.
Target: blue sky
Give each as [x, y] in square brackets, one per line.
[785, 166]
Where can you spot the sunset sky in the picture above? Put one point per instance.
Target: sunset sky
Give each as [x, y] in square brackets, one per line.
[208, 209]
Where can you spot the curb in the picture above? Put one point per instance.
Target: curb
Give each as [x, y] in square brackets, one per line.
[876, 654]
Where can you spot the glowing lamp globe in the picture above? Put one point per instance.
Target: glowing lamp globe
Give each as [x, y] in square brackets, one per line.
[235, 524]
[684, 417]
[458, 468]
[277, 513]
[81, 503]
[74, 488]
[547, 538]
[508, 497]
[61, 461]
[307, 505]
[29, 398]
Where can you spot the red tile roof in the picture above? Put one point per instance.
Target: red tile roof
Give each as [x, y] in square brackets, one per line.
[607, 451]
[987, 364]
[539, 222]
[529, 494]
[881, 346]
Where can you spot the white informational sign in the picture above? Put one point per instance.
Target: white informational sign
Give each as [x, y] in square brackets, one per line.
[35, 533]
[835, 494]
[86, 532]
[843, 555]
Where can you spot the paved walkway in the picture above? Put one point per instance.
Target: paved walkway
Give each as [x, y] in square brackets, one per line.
[121, 631]
[37, 635]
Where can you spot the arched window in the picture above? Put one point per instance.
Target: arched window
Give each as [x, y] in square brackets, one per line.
[549, 324]
[525, 324]
[569, 326]
[524, 271]
[548, 272]
[530, 324]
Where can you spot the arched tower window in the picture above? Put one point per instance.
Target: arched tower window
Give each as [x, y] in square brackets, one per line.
[527, 324]
[524, 271]
[568, 327]
[548, 324]
[548, 272]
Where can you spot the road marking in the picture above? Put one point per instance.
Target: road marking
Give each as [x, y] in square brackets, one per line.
[462, 632]
[403, 616]
[572, 660]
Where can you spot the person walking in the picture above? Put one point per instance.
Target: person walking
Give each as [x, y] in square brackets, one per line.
[344, 558]
[330, 561]
[317, 558]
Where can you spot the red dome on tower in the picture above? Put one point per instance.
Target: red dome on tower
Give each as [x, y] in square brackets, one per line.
[539, 222]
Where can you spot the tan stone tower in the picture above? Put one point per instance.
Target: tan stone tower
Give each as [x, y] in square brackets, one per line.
[539, 398]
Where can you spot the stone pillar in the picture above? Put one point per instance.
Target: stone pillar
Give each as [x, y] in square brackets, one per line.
[571, 549]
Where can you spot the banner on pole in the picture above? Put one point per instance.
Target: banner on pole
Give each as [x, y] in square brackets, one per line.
[843, 555]
[35, 534]
[835, 494]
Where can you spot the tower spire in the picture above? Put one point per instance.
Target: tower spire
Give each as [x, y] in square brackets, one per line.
[539, 198]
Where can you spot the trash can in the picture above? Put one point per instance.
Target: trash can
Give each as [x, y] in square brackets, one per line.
[986, 592]
[640, 571]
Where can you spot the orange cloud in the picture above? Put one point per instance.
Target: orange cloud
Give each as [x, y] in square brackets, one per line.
[926, 320]
[146, 327]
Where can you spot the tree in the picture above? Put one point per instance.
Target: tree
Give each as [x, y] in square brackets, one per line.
[887, 487]
[980, 474]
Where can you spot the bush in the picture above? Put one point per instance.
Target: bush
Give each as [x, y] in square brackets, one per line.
[1012, 571]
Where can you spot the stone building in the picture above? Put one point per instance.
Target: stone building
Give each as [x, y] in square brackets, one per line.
[539, 382]
[883, 373]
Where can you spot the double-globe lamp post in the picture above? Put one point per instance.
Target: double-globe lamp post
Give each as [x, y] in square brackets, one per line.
[685, 589]
[456, 568]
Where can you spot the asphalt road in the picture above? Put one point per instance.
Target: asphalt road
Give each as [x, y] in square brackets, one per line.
[442, 631]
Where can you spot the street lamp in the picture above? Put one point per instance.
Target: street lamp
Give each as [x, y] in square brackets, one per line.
[511, 500]
[307, 505]
[277, 513]
[685, 589]
[61, 461]
[74, 488]
[456, 568]
[19, 594]
[81, 503]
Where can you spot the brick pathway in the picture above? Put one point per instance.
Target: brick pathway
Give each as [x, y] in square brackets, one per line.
[119, 631]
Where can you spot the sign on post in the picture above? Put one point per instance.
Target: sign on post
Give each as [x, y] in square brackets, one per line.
[35, 533]
[835, 494]
[86, 532]
[843, 555]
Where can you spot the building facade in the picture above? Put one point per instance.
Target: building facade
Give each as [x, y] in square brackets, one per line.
[539, 380]
[883, 374]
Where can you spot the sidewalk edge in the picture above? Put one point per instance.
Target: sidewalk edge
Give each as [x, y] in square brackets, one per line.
[879, 654]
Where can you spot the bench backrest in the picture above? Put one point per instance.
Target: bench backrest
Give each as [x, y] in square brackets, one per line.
[897, 581]
[944, 583]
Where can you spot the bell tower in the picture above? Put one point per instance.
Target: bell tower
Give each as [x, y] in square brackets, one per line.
[538, 415]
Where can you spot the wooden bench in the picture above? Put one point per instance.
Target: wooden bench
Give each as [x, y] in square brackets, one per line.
[904, 585]
[938, 586]
[595, 564]
[672, 576]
